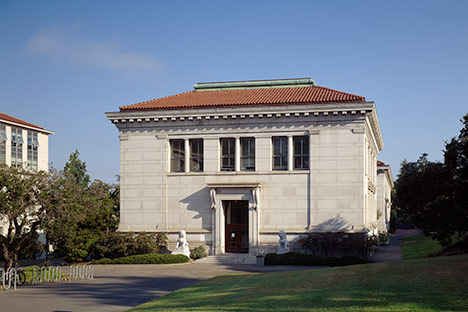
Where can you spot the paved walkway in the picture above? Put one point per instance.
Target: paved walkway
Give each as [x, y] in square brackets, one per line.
[118, 287]
[392, 251]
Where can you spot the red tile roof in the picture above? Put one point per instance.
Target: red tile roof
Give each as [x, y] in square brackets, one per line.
[18, 121]
[247, 97]
[381, 163]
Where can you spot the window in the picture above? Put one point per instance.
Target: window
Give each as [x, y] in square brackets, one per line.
[280, 153]
[3, 139]
[301, 152]
[228, 154]
[16, 147]
[196, 155]
[33, 143]
[177, 156]
[247, 154]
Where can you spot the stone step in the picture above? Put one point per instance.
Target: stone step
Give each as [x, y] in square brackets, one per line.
[229, 259]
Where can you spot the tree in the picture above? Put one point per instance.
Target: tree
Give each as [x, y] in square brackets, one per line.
[22, 195]
[77, 168]
[435, 194]
[81, 213]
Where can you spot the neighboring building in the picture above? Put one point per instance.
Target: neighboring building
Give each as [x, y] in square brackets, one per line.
[22, 144]
[233, 163]
[384, 196]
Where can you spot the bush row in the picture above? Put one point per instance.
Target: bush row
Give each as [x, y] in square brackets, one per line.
[117, 245]
[338, 243]
[144, 259]
[294, 258]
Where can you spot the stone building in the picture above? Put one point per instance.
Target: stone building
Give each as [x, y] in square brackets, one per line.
[22, 144]
[384, 195]
[233, 163]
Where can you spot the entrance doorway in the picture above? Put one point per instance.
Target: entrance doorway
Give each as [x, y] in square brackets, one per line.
[236, 225]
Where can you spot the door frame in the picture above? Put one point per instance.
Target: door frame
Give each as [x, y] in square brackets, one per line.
[220, 192]
[229, 204]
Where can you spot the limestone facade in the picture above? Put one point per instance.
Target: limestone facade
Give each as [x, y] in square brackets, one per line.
[337, 192]
[384, 196]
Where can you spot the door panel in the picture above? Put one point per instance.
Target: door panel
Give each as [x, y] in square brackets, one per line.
[236, 224]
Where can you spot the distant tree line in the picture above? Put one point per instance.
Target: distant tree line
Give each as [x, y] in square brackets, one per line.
[434, 195]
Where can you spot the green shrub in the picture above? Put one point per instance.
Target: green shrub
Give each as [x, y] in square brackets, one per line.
[198, 253]
[103, 261]
[383, 238]
[294, 258]
[144, 259]
[116, 245]
[338, 243]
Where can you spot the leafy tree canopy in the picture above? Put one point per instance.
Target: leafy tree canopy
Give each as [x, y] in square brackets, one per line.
[23, 197]
[435, 194]
[77, 168]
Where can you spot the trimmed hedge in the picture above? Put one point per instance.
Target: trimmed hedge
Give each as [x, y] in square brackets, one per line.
[294, 258]
[198, 253]
[144, 259]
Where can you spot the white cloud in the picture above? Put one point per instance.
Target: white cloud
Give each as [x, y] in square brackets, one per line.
[59, 45]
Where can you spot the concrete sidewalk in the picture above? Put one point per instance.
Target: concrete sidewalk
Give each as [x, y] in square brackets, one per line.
[392, 251]
[118, 287]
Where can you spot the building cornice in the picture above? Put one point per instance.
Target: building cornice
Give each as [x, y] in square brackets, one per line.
[375, 125]
[256, 112]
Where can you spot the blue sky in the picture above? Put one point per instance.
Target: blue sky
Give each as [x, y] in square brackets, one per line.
[63, 63]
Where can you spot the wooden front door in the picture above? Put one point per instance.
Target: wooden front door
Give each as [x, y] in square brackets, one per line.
[237, 225]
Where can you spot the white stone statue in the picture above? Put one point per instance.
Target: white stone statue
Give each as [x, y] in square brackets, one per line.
[283, 246]
[182, 247]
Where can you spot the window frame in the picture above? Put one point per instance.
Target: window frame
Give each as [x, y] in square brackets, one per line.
[248, 159]
[3, 140]
[16, 147]
[198, 158]
[177, 159]
[32, 156]
[304, 155]
[282, 156]
[230, 156]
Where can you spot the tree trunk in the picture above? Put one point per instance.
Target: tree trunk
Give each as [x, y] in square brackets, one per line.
[7, 258]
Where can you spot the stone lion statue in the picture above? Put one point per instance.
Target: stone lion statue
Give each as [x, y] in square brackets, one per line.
[283, 245]
[182, 247]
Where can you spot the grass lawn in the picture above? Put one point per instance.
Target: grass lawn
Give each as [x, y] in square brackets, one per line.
[432, 284]
[419, 246]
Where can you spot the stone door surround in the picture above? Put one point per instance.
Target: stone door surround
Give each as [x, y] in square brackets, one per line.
[234, 191]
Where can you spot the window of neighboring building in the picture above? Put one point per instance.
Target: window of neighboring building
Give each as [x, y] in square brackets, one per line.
[177, 156]
[196, 155]
[228, 154]
[33, 144]
[280, 153]
[16, 147]
[301, 152]
[3, 139]
[247, 154]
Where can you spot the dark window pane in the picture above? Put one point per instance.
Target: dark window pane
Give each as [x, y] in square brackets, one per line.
[227, 154]
[280, 153]
[196, 155]
[247, 154]
[301, 152]
[177, 156]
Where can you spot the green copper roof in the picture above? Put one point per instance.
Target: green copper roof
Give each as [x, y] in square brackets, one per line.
[254, 84]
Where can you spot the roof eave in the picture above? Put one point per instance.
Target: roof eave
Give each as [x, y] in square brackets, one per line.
[16, 124]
